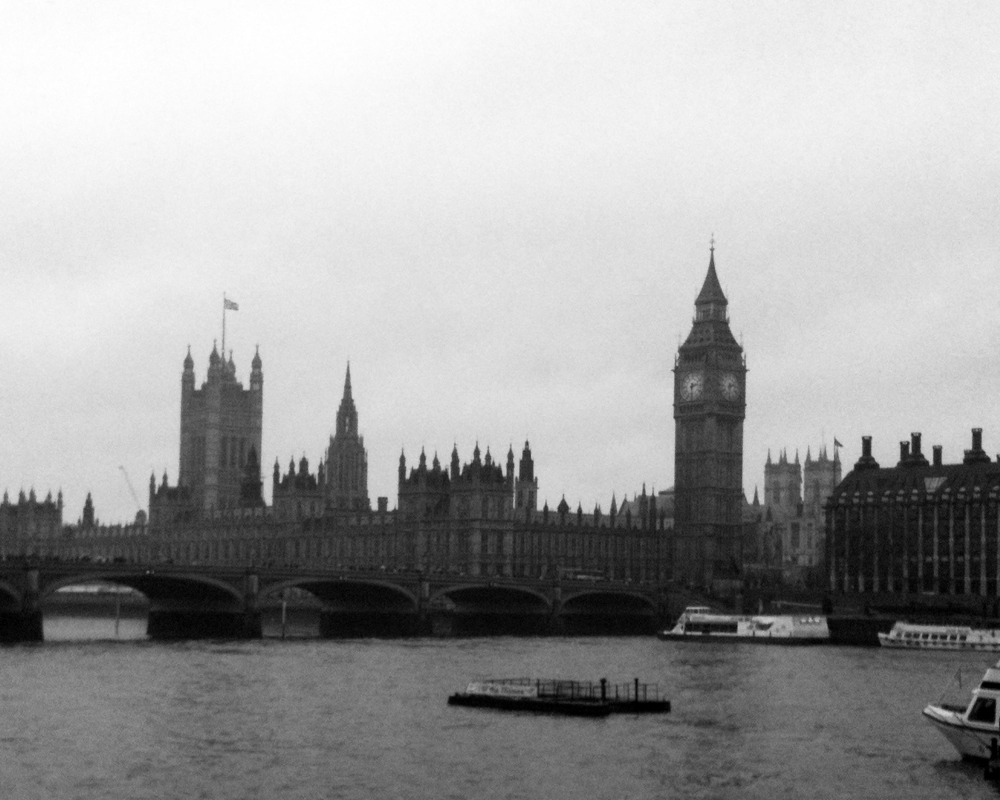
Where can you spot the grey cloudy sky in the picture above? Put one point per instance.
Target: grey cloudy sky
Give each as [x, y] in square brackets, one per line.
[500, 213]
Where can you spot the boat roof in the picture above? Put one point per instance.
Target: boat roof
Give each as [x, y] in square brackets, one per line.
[718, 615]
[991, 680]
[915, 628]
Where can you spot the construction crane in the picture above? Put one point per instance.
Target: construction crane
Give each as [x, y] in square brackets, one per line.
[131, 489]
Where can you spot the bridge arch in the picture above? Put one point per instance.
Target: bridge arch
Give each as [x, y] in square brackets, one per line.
[492, 597]
[350, 594]
[157, 587]
[607, 611]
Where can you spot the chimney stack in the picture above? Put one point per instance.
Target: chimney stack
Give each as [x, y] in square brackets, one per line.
[904, 453]
[916, 457]
[866, 461]
[937, 455]
[976, 455]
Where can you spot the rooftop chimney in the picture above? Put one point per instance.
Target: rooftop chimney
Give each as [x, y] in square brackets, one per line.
[976, 455]
[866, 461]
[916, 457]
[904, 453]
[937, 455]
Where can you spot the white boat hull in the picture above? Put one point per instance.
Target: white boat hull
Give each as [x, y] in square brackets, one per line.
[750, 638]
[971, 740]
[908, 636]
[980, 647]
[699, 624]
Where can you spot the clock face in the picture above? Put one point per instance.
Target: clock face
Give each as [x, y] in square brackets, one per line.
[691, 385]
[730, 386]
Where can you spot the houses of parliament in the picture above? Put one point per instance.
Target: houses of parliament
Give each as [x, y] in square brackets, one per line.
[474, 516]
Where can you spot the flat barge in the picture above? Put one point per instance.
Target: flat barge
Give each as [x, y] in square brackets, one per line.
[572, 698]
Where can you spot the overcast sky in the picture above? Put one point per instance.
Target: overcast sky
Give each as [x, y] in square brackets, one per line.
[500, 213]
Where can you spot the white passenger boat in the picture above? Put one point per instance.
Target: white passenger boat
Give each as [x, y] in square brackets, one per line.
[971, 728]
[700, 623]
[940, 637]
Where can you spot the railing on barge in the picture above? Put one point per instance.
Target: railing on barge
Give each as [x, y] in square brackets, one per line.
[631, 697]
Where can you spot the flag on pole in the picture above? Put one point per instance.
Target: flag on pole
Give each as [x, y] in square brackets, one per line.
[230, 305]
[836, 443]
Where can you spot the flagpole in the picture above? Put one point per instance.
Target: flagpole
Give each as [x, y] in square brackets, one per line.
[223, 326]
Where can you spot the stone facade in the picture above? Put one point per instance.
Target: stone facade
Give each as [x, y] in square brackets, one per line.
[298, 494]
[918, 529]
[33, 529]
[31, 526]
[461, 520]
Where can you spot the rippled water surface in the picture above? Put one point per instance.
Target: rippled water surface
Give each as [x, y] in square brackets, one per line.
[308, 718]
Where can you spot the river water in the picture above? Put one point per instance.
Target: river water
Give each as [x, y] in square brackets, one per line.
[86, 715]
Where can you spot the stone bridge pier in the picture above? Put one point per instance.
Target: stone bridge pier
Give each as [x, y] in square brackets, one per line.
[20, 613]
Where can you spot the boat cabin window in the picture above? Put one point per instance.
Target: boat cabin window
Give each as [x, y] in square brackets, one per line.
[983, 710]
[713, 626]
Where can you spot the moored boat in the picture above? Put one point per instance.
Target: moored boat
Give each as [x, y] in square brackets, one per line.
[700, 623]
[971, 729]
[940, 637]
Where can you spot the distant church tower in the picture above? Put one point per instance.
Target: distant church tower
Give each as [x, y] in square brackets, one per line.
[709, 408]
[821, 477]
[783, 482]
[346, 459]
[220, 426]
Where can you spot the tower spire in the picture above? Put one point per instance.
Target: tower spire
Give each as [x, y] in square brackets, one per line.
[711, 289]
[347, 459]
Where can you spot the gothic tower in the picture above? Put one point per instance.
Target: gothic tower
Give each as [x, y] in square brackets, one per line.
[220, 424]
[347, 460]
[526, 485]
[709, 408]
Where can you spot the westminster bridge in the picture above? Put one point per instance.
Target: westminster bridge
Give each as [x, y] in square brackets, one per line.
[201, 601]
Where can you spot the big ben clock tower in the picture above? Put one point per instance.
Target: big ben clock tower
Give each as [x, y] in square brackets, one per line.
[709, 408]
